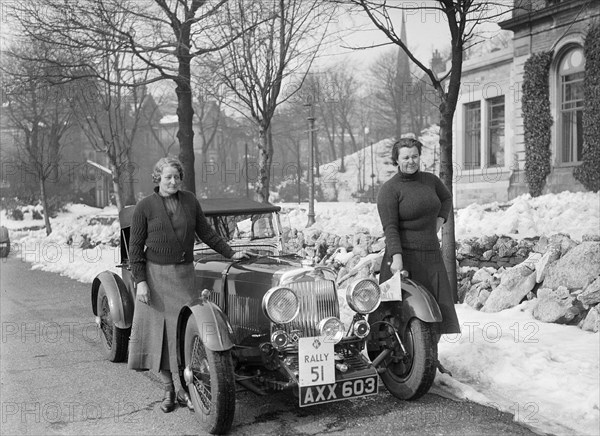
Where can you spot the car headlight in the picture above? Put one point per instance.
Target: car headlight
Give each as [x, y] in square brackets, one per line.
[332, 328]
[281, 305]
[363, 296]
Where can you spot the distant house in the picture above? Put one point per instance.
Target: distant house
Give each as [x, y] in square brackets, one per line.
[489, 152]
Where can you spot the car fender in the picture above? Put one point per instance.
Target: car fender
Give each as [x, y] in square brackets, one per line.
[119, 299]
[217, 334]
[417, 302]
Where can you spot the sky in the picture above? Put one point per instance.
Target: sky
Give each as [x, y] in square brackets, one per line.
[546, 375]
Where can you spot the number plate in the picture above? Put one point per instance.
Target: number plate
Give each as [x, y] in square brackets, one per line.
[341, 390]
[316, 361]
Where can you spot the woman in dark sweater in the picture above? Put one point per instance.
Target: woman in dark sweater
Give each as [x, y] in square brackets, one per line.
[161, 253]
[412, 206]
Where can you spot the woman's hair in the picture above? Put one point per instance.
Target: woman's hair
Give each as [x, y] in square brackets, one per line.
[165, 162]
[404, 142]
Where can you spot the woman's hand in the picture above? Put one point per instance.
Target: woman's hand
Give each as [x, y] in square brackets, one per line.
[143, 292]
[239, 255]
[396, 264]
[439, 224]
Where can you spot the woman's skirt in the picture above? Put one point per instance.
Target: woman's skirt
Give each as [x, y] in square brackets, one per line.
[427, 268]
[152, 344]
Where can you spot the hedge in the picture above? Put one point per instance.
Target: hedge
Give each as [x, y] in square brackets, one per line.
[588, 173]
[537, 121]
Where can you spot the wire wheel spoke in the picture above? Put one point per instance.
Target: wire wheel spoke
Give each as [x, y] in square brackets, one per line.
[200, 368]
[106, 323]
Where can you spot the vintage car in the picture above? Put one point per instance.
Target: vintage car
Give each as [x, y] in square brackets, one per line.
[4, 242]
[272, 322]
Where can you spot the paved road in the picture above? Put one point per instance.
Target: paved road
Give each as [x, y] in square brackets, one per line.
[55, 381]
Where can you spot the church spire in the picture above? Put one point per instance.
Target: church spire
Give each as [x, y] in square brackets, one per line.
[403, 81]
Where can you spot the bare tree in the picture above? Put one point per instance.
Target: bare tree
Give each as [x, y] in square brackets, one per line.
[39, 111]
[110, 120]
[165, 36]
[461, 16]
[278, 42]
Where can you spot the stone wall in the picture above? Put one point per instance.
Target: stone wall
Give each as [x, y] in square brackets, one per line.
[496, 272]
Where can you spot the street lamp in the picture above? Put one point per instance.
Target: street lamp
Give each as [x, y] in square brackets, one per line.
[311, 146]
[372, 176]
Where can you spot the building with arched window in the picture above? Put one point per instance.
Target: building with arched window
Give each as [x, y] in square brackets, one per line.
[489, 152]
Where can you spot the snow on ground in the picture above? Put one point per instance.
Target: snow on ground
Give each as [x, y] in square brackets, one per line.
[546, 375]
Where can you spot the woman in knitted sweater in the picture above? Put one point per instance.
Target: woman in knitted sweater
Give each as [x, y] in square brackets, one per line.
[412, 206]
[161, 246]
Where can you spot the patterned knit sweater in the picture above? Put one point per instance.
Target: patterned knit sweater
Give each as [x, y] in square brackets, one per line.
[153, 238]
[408, 206]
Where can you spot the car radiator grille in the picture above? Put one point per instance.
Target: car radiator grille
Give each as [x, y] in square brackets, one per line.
[318, 300]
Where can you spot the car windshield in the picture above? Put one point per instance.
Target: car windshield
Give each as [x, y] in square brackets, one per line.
[259, 232]
[245, 227]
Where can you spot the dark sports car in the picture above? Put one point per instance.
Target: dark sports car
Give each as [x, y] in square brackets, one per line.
[272, 322]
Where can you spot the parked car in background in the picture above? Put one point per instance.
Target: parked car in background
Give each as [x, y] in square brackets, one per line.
[272, 322]
[4, 242]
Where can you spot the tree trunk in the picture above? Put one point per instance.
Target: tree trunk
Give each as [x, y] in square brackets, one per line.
[128, 191]
[185, 115]
[265, 155]
[446, 174]
[343, 150]
[45, 205]
[115, 183]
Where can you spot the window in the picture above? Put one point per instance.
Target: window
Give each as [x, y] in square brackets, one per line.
[570, 122]
[495, 148]
[472, 158]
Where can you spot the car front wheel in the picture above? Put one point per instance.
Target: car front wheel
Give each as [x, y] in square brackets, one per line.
[211, 381]
[114, 339]
[411, 376]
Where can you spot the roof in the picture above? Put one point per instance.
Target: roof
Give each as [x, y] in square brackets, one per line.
[234, 206]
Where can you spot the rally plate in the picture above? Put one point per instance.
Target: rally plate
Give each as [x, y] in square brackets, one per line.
[341, 390]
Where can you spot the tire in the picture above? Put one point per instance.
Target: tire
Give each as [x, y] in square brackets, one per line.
[412, 378]
[114, 339]
[4, 250]
[213, 389]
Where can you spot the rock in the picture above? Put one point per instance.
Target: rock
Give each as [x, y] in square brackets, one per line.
[563, 242]
[541, 266]
[487, 255]
[487, 242]
[591, 294]
[557, 306]
[465, 248]
[576, 269]
[463, 287]
[514, 285]
[346, 242]
[532, 260]
[311, 236]
[505, 246]
[543, 246]
[589, 238]
[591, 322]
[481, 275]
[378, 245]
[477, 296]
[354, 260]
[469, 262]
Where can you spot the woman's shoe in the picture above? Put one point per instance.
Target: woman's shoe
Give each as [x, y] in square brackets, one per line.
[184, 399]
[168, 402]
[441, 368]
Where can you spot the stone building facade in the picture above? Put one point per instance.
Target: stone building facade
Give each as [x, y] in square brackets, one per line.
[489, 136]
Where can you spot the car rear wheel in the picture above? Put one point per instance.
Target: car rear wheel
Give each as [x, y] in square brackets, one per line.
[212, 384]
[114, 339]
[411, 377]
